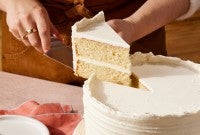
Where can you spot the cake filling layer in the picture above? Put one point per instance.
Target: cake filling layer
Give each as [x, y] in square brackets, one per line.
[104, 64]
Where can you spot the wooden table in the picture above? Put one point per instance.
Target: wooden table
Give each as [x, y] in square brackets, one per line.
[16, 89]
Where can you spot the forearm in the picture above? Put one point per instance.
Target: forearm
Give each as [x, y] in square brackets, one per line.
[3, 4]
[155, 14]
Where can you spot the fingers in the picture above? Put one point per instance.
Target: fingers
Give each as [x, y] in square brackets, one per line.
[123, 28]
[16, 30]
[21, 33]
[55, 32]
[43, 25]
[32, 35]
[34, 29]
[15, 33]
[114, 24]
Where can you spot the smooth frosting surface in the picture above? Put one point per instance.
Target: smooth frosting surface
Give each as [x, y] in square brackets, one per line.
[98, 30]
[171, 104]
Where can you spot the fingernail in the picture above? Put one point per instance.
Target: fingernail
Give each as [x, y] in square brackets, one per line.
[46, 50]
[58, 36]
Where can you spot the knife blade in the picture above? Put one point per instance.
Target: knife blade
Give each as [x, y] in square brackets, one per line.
[60, 52]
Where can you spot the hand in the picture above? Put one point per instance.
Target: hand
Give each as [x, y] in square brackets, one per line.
[28, 21]
[124, 28]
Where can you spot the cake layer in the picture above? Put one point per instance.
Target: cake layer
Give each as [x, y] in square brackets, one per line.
[85, 69]
[102, 52]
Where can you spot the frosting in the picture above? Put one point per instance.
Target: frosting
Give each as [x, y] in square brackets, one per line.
[170, 106]
[98, 30]
[104, 64]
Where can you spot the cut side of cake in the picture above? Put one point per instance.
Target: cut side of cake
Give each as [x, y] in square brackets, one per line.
[97, 48]
[170, 107]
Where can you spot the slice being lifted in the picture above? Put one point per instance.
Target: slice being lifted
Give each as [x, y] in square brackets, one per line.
[98, 49]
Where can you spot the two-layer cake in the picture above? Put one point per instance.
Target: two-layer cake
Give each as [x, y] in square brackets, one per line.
[166, 103]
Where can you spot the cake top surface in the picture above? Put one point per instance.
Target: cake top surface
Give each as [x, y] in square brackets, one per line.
[98, 30]
[173, 89]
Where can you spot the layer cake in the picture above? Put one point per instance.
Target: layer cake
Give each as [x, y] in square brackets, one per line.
[166, 97]
[170, 106]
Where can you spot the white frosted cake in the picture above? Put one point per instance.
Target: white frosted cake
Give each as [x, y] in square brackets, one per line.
[98, 48]
[169, 106]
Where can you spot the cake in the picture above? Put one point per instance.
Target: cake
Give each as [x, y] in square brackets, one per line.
[97, 48]
[165, 99]
[169, 106]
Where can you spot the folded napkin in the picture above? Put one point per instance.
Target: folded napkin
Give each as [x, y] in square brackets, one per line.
[60, 120]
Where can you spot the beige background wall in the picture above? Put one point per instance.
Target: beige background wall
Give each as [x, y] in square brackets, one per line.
[183, 38]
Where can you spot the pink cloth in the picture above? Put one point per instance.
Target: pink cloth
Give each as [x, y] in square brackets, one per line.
[59, 120]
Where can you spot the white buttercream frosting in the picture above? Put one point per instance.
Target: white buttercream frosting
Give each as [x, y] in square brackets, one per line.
[98, 30]
[105, 64]
[170, 107]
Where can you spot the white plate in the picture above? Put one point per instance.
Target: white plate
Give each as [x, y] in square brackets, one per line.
[80, 129]
[21, 125]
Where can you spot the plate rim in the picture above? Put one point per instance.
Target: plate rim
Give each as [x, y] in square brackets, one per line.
[26, 118]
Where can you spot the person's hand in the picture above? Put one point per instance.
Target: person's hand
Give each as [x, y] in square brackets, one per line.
[29, 22]
[124, 28]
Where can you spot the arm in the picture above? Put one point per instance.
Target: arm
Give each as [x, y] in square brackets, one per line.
[3, 5]
[151, 16]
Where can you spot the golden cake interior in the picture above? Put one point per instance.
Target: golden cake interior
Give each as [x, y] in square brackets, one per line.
[109, 55]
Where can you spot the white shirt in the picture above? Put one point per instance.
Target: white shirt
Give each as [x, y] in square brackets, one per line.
[194, 6]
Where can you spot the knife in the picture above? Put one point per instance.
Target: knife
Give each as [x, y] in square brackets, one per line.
[60, 52]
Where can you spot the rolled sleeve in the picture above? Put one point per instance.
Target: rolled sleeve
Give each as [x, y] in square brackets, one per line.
[194, 6]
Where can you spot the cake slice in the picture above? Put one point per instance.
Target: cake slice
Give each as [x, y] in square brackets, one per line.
[98, 49]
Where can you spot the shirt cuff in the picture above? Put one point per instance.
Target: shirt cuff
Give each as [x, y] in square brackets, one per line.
[194, 6]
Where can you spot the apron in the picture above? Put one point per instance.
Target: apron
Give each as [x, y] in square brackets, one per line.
[20, 59]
